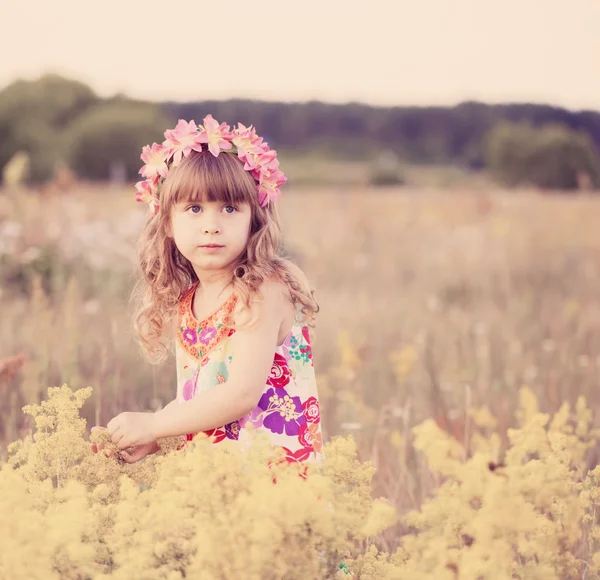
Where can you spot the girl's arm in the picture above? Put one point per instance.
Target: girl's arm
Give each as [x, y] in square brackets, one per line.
[250, 367]
[171, 404]
[155, 447]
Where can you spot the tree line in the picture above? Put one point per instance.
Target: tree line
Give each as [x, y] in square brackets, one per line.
[61, 122]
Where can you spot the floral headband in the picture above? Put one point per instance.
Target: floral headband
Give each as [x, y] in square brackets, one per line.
[261, 161]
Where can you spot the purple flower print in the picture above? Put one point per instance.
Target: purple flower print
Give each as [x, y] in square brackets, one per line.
[207, 335]
[189, 335]
[232, 430]
[255, 418]
[188, 389]
[282, 412]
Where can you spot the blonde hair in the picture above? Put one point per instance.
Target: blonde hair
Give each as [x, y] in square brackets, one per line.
[165, 274]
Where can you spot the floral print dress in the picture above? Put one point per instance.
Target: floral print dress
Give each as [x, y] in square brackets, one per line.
[288, 408]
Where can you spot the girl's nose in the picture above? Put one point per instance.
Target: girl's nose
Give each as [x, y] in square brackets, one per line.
[211, 227]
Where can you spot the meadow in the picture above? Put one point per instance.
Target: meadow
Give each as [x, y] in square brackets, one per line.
[460, 315]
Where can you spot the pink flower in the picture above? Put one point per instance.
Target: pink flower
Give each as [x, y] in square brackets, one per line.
[246, 141]
[217, 136]
[155, 158]
[266, 164]
[253, 159]
[268, 160]
[146, 192]
[269, 184]
[258, 159]
[182, 140]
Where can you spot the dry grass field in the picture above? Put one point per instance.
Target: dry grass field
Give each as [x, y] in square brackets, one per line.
[433, 303]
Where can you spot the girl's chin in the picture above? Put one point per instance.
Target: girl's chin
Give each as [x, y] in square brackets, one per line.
[211, 266]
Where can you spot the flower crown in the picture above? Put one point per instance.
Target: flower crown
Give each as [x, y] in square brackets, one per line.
[261, 161]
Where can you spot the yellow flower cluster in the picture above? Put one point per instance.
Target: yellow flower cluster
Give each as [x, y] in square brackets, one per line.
[214, 511]
[528, 514]
[207, 511]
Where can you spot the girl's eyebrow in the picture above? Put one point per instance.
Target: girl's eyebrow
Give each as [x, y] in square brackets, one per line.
[181, 205]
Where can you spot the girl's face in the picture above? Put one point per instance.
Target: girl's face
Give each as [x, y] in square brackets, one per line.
[210, 234]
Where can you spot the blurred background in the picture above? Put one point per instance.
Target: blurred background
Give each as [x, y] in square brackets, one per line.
[444, 164]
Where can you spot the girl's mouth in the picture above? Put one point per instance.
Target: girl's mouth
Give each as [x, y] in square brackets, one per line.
[211, 246]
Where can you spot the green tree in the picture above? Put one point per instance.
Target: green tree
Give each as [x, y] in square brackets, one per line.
[550, 157]
[33, 117]
[114, 133]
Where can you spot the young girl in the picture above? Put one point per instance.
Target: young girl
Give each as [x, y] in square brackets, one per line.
[212, 273]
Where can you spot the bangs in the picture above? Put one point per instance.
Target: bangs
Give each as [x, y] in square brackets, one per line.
[202, 177]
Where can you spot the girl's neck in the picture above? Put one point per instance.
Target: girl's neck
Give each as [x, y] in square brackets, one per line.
[212, 285]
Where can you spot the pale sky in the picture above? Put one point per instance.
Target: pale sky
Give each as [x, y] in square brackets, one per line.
[386, 52]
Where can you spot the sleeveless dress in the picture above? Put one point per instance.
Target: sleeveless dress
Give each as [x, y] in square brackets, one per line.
[288, 409]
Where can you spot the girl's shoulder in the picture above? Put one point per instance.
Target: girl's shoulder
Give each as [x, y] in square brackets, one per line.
[270, 300]
[274, 294]
[274, 289]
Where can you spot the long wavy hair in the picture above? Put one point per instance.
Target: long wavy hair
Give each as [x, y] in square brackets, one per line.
[165, 274]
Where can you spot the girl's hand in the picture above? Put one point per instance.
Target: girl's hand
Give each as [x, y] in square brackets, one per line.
[100, 447]
[134, 454]
[138, 452]
[132, 429]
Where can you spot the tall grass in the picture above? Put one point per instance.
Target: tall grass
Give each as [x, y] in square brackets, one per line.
[434, 303]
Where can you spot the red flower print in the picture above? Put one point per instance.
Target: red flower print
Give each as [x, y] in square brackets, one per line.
[188, 437]
[280, 372]
[283, 454]
[217, 435]
[309, 435]
[307, 350]
[305, 334]
[304, 436]
[312, 411]
[297, 456]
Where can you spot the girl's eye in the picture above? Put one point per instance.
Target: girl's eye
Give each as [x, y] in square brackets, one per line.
[195, 208]
[230, 209]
